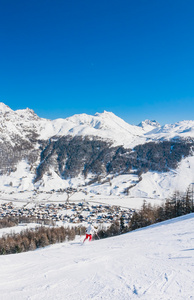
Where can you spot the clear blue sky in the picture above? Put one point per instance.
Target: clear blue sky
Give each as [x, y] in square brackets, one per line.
[133, 57]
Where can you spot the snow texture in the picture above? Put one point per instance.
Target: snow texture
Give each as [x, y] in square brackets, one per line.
[152, 263]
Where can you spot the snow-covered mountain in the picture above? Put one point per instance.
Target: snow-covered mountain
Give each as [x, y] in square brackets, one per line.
[105, 125]
[155, 262]
[99, 155]
[183, 129]
[149, 125]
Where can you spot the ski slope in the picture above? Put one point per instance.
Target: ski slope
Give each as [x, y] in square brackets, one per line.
[156, 262]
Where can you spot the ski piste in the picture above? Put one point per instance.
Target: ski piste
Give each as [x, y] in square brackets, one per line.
[155, 262]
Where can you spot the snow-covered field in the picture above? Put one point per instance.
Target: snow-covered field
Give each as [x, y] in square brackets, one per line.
[156, 262]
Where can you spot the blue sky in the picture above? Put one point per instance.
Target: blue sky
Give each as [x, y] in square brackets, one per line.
[134, 58]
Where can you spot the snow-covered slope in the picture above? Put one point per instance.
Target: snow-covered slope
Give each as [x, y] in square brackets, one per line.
[105, 125]
[149, 125]
[152, 263]
[27, 143]
[183, 129]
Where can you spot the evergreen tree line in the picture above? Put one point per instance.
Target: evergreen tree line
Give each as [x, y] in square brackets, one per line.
[71, 156]
[178, 205]
[39, 237]
[114, 229]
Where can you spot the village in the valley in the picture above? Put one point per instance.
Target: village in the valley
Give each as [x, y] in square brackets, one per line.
[65, 213]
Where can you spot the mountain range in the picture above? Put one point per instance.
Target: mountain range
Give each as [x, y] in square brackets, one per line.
[94, 155]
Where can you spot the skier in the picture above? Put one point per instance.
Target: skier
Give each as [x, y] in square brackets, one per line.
[89, 232]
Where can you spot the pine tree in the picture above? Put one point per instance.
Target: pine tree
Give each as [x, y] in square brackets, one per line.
[122, 224]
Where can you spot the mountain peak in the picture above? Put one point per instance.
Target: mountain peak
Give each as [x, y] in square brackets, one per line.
[148, 122]
[27, 113]
[4, 108]
[105, 113]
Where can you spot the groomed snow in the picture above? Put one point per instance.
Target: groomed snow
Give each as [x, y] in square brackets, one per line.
[153, 263]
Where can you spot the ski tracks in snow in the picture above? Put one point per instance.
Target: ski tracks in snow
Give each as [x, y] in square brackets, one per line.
[161, 283]
[156, 263]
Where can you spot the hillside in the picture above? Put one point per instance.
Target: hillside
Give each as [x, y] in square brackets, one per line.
[152, 263]
[95, 156]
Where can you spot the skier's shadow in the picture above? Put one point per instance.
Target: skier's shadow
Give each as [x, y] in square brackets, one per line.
[76, 243]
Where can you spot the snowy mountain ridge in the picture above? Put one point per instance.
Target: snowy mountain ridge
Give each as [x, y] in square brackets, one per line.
[105, 125]
[97, 155]
[149, 125]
